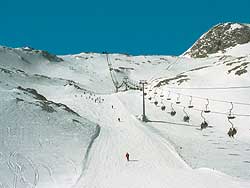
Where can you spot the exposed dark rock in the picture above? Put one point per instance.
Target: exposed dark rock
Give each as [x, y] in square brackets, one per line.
[45, 54]
[219, 38]
[51, 57]
[33, 92]
[19, 100]
[240, 72]
[45, 104]
[182, 78]
[6, 71]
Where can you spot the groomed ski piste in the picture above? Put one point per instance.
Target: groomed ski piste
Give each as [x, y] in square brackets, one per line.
[60, 128]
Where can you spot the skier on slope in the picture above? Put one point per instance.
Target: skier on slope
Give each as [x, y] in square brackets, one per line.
[127, 156]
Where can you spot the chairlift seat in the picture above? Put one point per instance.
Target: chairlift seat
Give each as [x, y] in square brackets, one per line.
[231, 117]
[207, 111]
[190, 106]
[178, 102]
[161, 95]
[186, 118]
[234, 131]
[172, 113]
[163, 108]
[204, 125]
[155, 102]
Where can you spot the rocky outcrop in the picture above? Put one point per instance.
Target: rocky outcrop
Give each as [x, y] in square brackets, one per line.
[219, 38]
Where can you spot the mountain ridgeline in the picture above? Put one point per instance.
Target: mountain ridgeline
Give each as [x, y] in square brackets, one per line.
[220, 38]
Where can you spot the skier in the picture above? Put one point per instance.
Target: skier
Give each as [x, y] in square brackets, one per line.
[119, 119]
[112, 106]
[127, 156]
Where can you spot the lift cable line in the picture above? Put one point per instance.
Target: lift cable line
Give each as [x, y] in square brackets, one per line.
[212, 112]
[126, 82]
[211, 88]
[205, 98]
[115, 82]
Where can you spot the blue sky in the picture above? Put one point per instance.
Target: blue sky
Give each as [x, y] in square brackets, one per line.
[129, 26]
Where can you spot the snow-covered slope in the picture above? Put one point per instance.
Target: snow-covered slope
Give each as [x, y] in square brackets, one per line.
[59, 119]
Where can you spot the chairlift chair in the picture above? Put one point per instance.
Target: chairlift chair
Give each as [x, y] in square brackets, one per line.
[186, 118]
[168, 98]
[230, 116]
[204, 124]
[156, 102]
[163, 108]
[232, 131]
[178, 99]
[190, 102]
[173, 112]
[207, 110]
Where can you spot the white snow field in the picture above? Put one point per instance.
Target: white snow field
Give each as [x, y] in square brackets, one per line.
[59, 120]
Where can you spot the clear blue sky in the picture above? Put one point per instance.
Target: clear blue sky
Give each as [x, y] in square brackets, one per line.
[128, 26]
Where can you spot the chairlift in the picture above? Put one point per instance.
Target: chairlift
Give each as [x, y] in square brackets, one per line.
[161, 95]
[163, 108]
[145, 94]
[204, 124]
[230, 116]
[150, 98]
[178, 99]
[173, 112]
[156, 102]
[168, 98]
[190, 102]
[232, 131]
[207, 110]
[186, 118]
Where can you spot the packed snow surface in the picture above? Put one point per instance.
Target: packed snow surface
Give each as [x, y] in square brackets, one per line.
[60, 128]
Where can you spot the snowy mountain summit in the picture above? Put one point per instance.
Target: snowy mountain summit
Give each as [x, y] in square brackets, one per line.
[220, 39]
